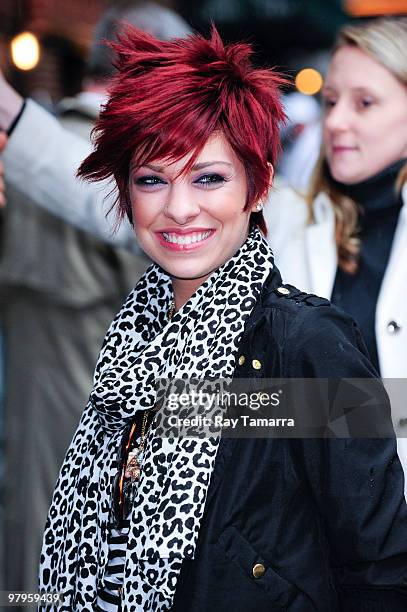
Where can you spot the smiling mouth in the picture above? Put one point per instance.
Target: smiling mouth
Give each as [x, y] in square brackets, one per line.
[185, 239]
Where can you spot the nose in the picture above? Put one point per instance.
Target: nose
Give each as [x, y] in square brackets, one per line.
[337, 118]
[181, 205]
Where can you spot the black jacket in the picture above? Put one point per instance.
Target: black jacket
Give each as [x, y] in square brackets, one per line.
[325, 518]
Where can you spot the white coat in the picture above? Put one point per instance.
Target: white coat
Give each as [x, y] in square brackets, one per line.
[306, 256]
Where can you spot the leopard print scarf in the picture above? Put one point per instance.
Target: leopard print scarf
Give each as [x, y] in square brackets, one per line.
[200, 341]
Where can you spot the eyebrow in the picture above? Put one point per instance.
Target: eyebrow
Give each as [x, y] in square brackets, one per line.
[357, 89]
[195, 167]
[210, 163]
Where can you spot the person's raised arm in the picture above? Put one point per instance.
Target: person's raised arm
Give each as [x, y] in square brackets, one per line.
[41, 159]
[3, 142]
[10, 104]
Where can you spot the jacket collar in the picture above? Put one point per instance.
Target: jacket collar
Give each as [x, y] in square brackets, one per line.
[320, 238]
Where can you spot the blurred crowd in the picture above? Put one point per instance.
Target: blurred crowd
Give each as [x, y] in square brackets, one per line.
[335, 216]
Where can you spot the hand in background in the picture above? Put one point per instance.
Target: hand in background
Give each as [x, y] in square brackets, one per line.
[3, 142]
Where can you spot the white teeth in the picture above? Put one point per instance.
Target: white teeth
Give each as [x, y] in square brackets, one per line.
[186, 238]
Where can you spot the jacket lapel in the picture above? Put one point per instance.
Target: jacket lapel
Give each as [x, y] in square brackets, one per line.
[395, 279]
[321, 248]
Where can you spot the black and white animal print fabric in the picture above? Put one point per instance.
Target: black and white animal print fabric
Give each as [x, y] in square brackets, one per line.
[141, 346]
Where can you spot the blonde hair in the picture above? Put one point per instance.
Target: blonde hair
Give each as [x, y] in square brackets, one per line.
[385, 40]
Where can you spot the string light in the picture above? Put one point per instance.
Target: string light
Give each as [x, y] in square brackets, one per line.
[25, 51]
[308, 81]
[365, 8]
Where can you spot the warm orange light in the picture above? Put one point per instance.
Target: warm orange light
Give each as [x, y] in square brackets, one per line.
[25, 51]
[363, 8]
[308, 81]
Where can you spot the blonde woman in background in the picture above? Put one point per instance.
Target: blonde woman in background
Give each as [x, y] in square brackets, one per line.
[347, 240]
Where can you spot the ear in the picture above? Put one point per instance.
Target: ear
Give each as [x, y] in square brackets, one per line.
[271, 174]
[258, 206]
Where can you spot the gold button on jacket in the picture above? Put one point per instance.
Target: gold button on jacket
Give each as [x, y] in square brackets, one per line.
[258, 570]
[256, 364]
[283, 290]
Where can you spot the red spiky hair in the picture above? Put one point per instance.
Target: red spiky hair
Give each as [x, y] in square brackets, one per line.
[168, 97]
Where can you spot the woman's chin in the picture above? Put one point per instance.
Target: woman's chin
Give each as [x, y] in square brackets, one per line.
[347, 176]
[189, 274]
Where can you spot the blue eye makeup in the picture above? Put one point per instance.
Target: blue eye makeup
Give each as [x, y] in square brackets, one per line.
[212, 178]
[207, 180]
[148, 181]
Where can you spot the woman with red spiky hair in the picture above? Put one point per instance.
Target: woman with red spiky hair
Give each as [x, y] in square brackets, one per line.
[146, 521]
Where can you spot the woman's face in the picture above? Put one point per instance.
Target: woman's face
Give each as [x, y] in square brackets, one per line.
[191, 224]
[365, 123]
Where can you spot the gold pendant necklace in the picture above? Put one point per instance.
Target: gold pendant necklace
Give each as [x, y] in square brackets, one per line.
[133, 465]
[171, 310]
